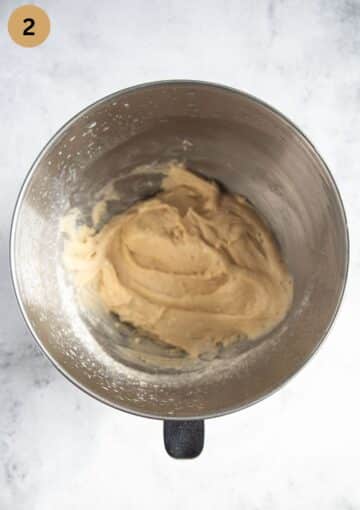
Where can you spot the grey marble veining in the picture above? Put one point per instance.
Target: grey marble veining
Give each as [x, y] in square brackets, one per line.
[300, 449]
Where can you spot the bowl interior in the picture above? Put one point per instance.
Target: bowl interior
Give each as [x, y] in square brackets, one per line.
[223, 135]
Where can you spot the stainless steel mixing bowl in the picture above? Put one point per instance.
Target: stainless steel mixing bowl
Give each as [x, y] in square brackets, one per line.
[225, 135]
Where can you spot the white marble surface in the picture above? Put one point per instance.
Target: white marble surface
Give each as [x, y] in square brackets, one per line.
[299, 449]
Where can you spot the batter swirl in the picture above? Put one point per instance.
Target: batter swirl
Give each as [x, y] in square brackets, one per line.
[193, 266]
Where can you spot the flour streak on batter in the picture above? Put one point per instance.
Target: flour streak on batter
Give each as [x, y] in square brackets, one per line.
[193, 266]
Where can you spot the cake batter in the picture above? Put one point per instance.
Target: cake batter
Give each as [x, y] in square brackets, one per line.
[194, 267]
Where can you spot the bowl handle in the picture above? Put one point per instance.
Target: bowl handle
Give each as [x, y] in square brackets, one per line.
[184, 439]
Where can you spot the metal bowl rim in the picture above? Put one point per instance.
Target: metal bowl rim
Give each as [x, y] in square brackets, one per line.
[53, 140]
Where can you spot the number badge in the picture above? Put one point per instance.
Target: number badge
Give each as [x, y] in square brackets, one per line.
[29, 26]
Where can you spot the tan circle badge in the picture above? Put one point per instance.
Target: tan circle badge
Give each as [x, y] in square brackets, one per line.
[29, 25]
